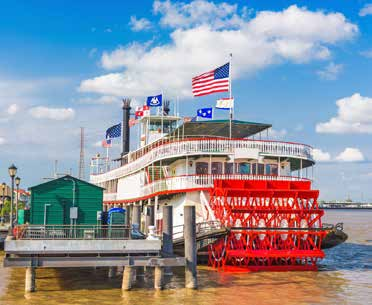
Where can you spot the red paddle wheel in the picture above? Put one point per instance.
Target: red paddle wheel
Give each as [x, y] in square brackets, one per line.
[275, 225]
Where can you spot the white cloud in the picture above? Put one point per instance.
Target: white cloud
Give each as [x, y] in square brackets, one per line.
[366, 10]
[92, 52]
[2, 141]
[350, 155]
[102, 100]
[367, 54]
[138, 25]
[321, 156]
[295, 34]
[12, 109]
[277, 134]
[354, 115]
[198, 12]
[97, 144]
[331, 71]
[59, 114]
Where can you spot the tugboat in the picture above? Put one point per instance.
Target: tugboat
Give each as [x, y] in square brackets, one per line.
[258, 189]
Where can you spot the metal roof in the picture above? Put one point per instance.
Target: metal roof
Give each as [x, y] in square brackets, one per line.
[221, 128]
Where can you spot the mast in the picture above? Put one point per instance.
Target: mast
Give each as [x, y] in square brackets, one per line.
[230, 89]
[81, 162]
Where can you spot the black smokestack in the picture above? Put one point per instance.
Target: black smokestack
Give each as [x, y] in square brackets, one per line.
[126, 131]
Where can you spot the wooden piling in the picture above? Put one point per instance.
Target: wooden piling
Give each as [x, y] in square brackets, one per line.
[168, 234]
[190, 247]
[30, 279]
[159, 278]
[127, 278]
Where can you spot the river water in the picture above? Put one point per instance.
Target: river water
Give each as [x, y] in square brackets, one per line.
[345, 277]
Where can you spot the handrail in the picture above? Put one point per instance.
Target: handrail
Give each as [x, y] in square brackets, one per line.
[53, 232]
[194, 182]
[145, 156]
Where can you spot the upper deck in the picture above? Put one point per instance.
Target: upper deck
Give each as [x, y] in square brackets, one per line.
[172, 148]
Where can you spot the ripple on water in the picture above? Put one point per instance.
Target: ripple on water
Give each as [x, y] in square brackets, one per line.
[345, 277]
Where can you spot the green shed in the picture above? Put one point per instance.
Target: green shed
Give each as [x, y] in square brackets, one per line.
[58, 201]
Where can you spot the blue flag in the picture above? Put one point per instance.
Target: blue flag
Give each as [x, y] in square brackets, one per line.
[155, 101]
[206, 113]
[114, 131]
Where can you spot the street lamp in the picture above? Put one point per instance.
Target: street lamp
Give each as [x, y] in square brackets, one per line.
[12, 170]
[3, 185]
[17, 182]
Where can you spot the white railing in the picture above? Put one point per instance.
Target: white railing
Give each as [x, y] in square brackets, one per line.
[194, 182]
[139, 159]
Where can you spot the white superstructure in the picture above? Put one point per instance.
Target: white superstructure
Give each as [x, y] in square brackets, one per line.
[178, 164]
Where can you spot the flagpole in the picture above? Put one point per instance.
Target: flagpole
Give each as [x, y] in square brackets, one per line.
[107, 157]
[162, 113]
[230, 89]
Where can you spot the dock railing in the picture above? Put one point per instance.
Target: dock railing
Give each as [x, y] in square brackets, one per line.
[87, 232]
[201, 228]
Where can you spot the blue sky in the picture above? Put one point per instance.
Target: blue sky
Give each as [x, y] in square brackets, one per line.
[67, 65]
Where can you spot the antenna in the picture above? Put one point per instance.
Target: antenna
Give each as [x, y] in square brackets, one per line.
[55, 169]
[81, 162]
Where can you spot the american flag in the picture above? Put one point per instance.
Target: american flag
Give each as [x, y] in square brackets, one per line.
[107, 143]
[114, 131]
[213, 81]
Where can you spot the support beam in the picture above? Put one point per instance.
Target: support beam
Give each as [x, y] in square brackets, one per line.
[127, 215]
[159, 276]
[136, 214]
[30, 279]
[150, 219]
[168, 230]
[168, 233]
[127, 278]
[190, 247]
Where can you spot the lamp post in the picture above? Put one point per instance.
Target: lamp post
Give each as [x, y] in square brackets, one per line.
[3, 185]
[17, 182]
[12, 170]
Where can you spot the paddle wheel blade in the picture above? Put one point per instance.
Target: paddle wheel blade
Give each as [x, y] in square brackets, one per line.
[275, 225]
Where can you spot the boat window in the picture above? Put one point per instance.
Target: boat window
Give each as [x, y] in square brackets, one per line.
[216, 167]
[229, 168]
[201, 168]
[271, 169]
[244, 168]
[258, 168]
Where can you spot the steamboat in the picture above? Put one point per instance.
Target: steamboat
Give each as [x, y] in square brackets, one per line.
[257, 188]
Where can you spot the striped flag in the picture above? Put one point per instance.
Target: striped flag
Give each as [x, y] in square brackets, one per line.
[225, 103]
[107, 143]
[213, 81]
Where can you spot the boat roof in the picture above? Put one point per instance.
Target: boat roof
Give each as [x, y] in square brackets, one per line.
[221, 128]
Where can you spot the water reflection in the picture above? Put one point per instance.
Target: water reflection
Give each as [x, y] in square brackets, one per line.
[345, 277]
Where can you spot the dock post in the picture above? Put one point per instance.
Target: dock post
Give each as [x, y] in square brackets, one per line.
[127, 215]
[30, 279]
[111, 272]
[136, 214]
[159, 275]
[190, 247]
[127, 278]
[150, 219]
[168, 234]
